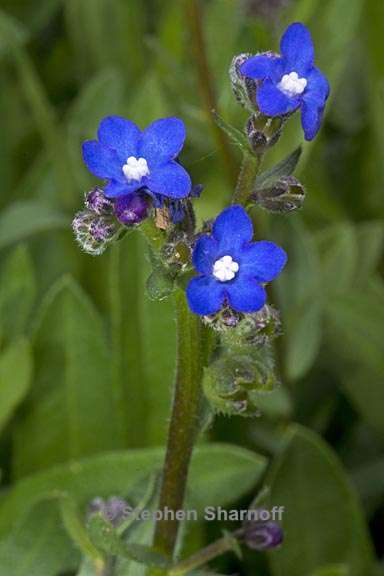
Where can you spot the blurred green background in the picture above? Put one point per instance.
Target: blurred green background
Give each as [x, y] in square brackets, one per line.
[87, 361]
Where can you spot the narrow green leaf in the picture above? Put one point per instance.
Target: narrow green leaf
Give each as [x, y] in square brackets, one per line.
[76, 529]
[17, 293]
[285, 167]
[322, 521]
[23, 219]
[71, 394]
[337, 247]
[235, 135]
[43, 113]
[300, 296]
[15, 378]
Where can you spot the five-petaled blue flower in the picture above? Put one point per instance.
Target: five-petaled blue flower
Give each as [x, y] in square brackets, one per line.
[232, 268]
[290, 81]
[130, 159]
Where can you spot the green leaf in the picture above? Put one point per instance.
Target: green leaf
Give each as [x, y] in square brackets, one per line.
[71, 395]
[285, 167]
[17, 293]
[15, 378]
[12, 33]
[300, 296]
[337, 246]
[37, 545]
[23, 219]
[355, 331]
[235, 135]
[334, 570]
[370, 245]
[105, 537]
[112, 474]
[322, 521]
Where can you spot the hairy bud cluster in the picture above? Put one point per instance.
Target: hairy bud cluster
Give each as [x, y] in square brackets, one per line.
[233, 382]
[94, 232]
[237, 328]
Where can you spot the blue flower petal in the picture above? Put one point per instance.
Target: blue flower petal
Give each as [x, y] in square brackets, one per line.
[205, 295]
[232, 228]
[205, 254]
[170, 180]
[311, 117]
[162, 141]
[102, 161]
[273, 102]
[317, 90]
[120, 134]
[297, 48]
[245, 294]
[261, 66]
[262, 260]
[116, 189]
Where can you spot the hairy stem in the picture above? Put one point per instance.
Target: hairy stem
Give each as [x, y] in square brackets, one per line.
[183, 427]
[246, 180]
[194, 20]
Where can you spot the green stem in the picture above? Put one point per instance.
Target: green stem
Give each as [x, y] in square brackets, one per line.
[218, 548]
[245, 183]
[183, 427]
[194, 21]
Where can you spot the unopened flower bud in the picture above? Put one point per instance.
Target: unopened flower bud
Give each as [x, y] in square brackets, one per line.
[115, 509]
[259, 535]
[93, 232]
[97, 202]
[263, 132]
[132, 209]
[286, 195]
[243, 88]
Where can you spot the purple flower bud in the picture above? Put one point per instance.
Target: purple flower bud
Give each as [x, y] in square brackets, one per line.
[263, 535]
[93, 232]
[131, 209]
[115, 509]
[97, 202]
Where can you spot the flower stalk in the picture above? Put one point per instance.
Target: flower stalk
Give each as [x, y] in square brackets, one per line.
[246, 180]
[226, 544]
[184, 422]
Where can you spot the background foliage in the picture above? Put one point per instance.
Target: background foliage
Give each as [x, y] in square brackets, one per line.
[86, 360]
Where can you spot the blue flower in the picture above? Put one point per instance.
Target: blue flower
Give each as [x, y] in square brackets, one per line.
[130, 159]
[232, 268]
[290, 81]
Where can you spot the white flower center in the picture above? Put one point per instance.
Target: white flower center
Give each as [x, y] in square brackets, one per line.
[135, 168]
[292, 85]
[225, 269]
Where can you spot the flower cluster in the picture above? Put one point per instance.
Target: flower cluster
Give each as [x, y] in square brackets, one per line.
[143, 178]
